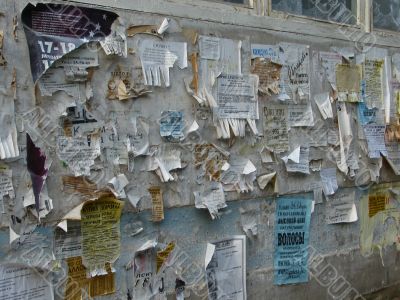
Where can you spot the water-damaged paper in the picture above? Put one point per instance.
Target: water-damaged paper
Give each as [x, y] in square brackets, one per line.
[348, 81]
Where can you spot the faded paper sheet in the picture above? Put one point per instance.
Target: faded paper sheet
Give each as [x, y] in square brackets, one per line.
[209, 47]
[292, 231]
[373, 76]
[375, 135]
[348, 81]
[226, 269]
[100, 233]
[329, 181]
[324, 105]
[158, 57]
[68, 244]
[211, 197]
[21, 282]
[157, 211]
[393, 156]
[276, 127]
[79, 153]
[301, 115]
[269, 74]
[6, 185]
[295, 82]
[329, 61]
[302, 164]
[340, 208]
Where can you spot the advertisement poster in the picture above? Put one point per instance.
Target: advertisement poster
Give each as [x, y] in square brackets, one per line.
[53, 30]
[292, 225]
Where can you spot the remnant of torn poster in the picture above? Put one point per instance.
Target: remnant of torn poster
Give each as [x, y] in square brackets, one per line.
[301, 115]
[212, 160]
[8, 133]
[324, 105]
[229, 62]
[163, 161]
[82, 185]
[78, 285]
[210, 197]
[172, 125]
[157, 204]
[340, 208]
[115, 43]
[329, 181]
[225, 264]
[158, 57]
[126, 84]
[292, 232]
[24, 282]
[79, 153]
[3, 61]
[298, 161]
[209, 47]
[276, 127]
[237, 104]
[100, 233]
[263, 180]
[393, 156]
[269, 74]
[68, 243]
[373, 77]
[348, 81]
[380, 218]
[295, 81]
[53, 30]
[240, 176]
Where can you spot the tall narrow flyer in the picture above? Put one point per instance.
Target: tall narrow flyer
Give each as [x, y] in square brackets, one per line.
[292, 231]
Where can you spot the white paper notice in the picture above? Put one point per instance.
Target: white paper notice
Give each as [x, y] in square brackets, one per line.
[226, 271]
[6, 186]
[209, 47]
[375, 135]
[22, 282]
[158, 57]
[211, 197]
[340, 208]
[301, 115]
[329, 181]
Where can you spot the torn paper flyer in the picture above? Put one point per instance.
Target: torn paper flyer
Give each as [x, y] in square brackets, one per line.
[8, 133]
[324, 105]
[225, 264]
[239, 176]
[117, 185]
[210, 197]
[211, 160]
[298, 161]
[163, 161]
[172, 125]
[375, 135]
[158, 57]
[340, 208]
[237, 104]
[276, 127]
[269, 74]
[329, 61]
[329, 181]
[209, 47]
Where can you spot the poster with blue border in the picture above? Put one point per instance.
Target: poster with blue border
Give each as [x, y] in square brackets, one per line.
[291, 237]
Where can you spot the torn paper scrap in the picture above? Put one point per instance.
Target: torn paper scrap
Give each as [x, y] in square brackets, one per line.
[298, 161]
[157, 204]
[8, 134]
[301, 115]
[226, 268]
[239, 176]
[329, 61]
[276, 127]
[266, 156]
[263, 180]
[36, 165]
[211, 160]
[250, 220]
[163, 255]
[163, 26]
[23, 282]
[126, 83]
[6, 185]
[3, 61]
[393, 156]
[211, 197]
[269, 74]
[324, 105]
[291, 238]
[172, 125]
[329, 181]
[158, 57]
[100, 227]
[115, 43]
[68, 243]
[53, 30]
[117, 185]
[348, 81]
[79, 153]
[45, 205]
[81, 185]
[209, 47]
[340, 208]
[163, 161]
[375, 136]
